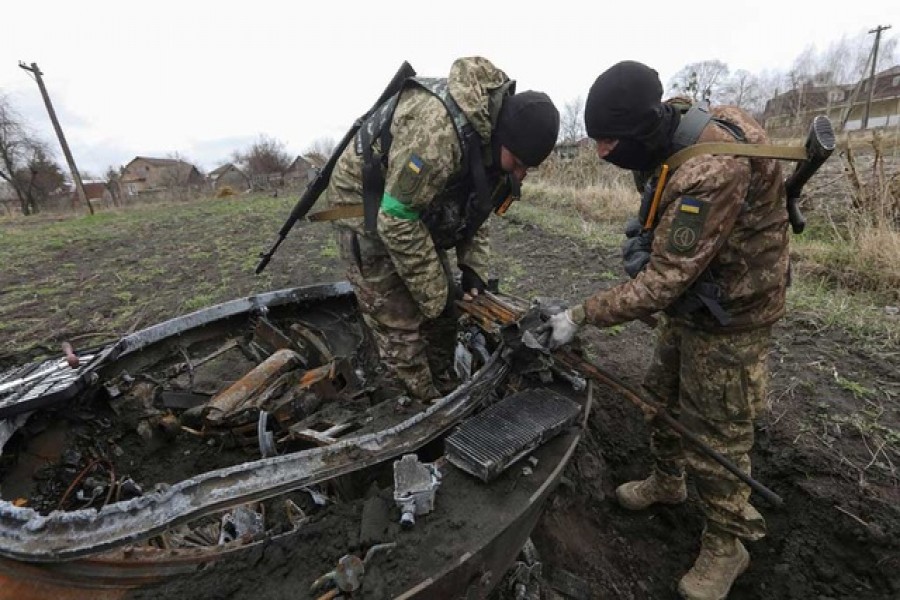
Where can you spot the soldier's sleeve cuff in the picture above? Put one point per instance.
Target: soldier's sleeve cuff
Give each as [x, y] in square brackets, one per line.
[576, 314]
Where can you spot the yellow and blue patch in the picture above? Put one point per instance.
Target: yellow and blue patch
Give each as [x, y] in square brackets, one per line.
[690, 205]
[415, 164]
[411, 178]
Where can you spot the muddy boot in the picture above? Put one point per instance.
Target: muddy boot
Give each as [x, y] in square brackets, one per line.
[721, 561]
[660, 487]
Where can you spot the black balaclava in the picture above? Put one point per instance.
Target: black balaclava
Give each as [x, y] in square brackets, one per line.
[528, 126]
[625, 104]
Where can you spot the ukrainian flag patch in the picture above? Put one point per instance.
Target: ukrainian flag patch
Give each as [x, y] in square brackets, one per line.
[690, 205]
[411, 177]
[415, 164]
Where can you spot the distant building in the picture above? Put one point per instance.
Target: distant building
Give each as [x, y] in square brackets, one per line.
[841, 103]
[146, 174]
[229, 175]
[93, 190]
[300, 173]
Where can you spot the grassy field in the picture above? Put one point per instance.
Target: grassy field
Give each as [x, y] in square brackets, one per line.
[96, 278]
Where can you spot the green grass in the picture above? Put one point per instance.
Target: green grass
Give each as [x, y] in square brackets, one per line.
[70, 276]
[827, 306]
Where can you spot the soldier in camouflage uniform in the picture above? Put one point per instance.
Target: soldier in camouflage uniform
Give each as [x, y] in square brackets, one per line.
[721, 221]
[400, 273]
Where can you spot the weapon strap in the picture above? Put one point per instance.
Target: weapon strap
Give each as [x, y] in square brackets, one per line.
[795, 153]
[479, 210]
[692, 125]
[343, 211]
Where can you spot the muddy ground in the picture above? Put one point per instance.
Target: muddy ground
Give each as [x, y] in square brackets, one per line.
[828, 444]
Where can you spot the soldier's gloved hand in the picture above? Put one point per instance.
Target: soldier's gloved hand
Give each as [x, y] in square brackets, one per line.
[471, 283]
[632, 227]
[563, 326]
[636, 249]
[636, 253]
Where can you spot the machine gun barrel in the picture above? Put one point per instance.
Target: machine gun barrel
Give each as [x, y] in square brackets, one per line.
[819, 145]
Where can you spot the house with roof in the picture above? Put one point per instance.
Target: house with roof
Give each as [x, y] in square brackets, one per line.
[228, 175]
[843, 104]
[300, 172]
[93, 190]
[147, 174]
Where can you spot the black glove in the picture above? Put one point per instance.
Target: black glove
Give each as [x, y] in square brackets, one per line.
[636, 249]
[471, 280]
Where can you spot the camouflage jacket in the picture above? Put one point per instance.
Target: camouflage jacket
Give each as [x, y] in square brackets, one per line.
[722, 213]
[425, 156]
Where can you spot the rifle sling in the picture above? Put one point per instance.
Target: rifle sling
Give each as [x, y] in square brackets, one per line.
[796, 153]
[343, 211]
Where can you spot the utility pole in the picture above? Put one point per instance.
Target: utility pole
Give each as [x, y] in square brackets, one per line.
[76, 177]
[877, 31]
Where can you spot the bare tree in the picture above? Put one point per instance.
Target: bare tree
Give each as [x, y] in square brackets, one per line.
[701, 80]
[571, 122]
[768, 84]
[741, 89]
[322, 147]
[17, 149]
[266, 155]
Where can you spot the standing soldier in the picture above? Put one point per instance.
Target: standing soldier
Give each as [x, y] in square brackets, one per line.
[712, 251]
[428, 167]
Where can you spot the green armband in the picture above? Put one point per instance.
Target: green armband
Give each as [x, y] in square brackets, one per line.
[395, 208]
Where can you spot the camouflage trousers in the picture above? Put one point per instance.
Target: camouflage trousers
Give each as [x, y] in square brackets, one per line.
[412, 349]
[715, 384]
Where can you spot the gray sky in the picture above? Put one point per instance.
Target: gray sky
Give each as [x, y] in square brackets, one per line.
[206, 78]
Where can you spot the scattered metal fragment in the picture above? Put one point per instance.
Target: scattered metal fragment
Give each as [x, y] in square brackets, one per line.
[524, 576]
[266, 437]
[242, 523]
[268, 336]
[233, 399]
[306, 337]
[327, 436]
[318, 498]
[462, 362]
[295, 514]
[347, 575]
[415, 484]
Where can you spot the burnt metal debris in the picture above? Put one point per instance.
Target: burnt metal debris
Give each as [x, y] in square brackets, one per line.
[289, 380]
[415, 485]
[27, 535]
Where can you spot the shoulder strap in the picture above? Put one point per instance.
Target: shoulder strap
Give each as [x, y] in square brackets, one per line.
[691, 125]
[795, 153]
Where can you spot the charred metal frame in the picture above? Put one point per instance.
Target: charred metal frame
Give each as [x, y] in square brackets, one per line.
[26, 535]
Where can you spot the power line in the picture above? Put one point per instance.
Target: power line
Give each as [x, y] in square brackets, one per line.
[76, 177]
[877, 31]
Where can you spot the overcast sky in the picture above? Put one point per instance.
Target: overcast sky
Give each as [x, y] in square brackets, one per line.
[206, 78]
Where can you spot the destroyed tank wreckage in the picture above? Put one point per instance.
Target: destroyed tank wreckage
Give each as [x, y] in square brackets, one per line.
[171, 460]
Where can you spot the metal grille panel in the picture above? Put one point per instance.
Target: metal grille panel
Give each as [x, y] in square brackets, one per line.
[491, 441]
